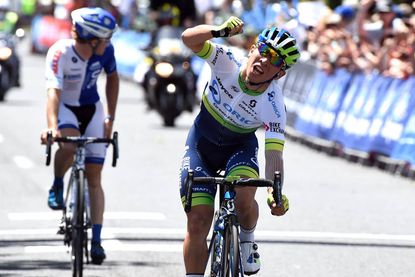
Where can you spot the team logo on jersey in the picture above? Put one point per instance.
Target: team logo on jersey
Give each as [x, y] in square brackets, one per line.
[95, 66]
[274, 127]
[248, 109]
[55, 61]
[74, 60]
[219, 50]
[214, 88]
[235, 89]
[271, 96]
[232, 58]
[224, 89]
[252, 103]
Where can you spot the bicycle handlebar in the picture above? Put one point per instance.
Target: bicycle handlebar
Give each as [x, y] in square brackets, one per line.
[82, 141]
[221, 181]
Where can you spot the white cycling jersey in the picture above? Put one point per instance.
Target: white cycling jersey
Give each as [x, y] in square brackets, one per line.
[75, 77]
[237, 109]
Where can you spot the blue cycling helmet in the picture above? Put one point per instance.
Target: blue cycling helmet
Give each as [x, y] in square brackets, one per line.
[93, 23]
[283, 43]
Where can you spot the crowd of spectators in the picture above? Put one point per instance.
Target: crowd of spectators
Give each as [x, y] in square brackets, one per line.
[360, 36]
[374, 36]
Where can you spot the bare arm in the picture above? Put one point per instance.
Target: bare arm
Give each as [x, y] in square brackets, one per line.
[52, 111]
[195, 37]
[111, 92]
[52, 108]
[274, 162]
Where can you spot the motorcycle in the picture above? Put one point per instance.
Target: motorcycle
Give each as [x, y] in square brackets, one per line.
[9, 63]
[169, 83]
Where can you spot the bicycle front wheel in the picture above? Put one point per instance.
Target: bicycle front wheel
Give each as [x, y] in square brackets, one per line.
[231, 254]
[78, 227]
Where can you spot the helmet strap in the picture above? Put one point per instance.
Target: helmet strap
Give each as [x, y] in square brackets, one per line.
[94, 48]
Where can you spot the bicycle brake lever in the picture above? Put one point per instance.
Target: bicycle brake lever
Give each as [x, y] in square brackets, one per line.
[48, 147]
[277, 188]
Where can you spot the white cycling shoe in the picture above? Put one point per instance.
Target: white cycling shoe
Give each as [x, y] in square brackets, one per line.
[250, 257]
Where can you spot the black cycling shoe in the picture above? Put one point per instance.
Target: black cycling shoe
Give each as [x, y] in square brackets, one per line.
[97, 253]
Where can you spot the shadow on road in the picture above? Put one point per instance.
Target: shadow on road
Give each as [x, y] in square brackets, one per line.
[26, 265]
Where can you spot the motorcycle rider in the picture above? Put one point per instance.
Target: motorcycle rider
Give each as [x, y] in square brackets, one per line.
[9, 22]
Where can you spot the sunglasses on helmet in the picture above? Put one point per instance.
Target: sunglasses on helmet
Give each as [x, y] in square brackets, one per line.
[269, 53]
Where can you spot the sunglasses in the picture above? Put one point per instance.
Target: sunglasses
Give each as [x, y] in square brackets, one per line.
[269, 53]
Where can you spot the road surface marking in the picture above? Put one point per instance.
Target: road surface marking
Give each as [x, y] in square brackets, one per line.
[23, 162]
[111, 232]
[114, 245]
[38, 216]
[333, 235]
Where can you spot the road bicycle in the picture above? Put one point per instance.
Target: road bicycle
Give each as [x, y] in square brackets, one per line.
[76, 214]
[224, 248]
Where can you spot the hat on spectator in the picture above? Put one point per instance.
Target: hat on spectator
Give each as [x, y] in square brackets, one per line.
[383, 6]
[403, 10]
[346, 12]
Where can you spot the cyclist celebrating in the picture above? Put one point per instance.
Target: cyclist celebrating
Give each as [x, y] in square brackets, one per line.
[241, 96]
[74, 107]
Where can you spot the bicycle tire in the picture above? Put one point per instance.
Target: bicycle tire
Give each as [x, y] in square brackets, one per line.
[216, 246]
[78, 228]
[231, 255]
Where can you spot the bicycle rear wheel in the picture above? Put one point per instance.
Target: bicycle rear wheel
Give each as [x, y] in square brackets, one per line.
[78, 233]
[231, 254]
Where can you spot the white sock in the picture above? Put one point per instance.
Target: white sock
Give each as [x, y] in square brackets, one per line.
[247, 235]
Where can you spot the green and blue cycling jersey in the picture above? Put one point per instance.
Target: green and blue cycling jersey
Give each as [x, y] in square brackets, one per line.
[230, 111]
[222, 137]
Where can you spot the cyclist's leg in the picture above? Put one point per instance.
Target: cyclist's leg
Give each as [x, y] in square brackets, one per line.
[93, 173]
[95, 157]
[244, 163]
[195, 251]
[64, 155]
[199, 220]
[68, 126]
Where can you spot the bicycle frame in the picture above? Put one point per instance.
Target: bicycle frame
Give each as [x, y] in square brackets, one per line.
[225, 219]
[76, 215]
[225, 245]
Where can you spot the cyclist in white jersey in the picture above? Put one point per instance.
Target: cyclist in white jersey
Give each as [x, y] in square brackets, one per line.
[241, 96]
[74, 107]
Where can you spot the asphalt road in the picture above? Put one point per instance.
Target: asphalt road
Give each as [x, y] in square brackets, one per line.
[344, 219]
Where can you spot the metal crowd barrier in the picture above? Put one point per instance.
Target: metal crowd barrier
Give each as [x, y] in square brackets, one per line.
[367, 116]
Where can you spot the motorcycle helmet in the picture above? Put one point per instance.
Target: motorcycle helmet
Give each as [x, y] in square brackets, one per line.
[93, 23]
[283, 43]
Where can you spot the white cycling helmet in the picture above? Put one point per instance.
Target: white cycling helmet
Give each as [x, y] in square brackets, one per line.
[93, 23]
